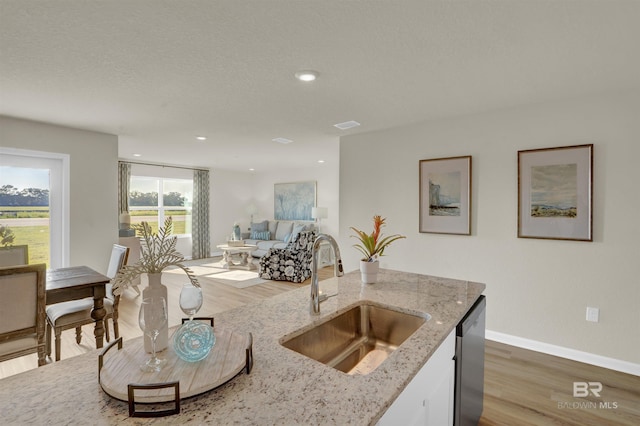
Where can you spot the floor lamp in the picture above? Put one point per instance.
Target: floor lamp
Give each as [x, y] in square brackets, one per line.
[319, 213]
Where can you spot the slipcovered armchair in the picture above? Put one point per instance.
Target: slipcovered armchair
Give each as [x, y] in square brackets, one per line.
[22, 317]
[14, 255]
[292, 263]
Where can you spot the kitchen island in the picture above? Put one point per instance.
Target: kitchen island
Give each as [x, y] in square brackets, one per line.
[284, 387]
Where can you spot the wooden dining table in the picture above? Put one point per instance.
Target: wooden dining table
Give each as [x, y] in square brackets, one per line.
[79, 282]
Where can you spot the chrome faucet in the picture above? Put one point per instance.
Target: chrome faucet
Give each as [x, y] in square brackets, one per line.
[338, 271]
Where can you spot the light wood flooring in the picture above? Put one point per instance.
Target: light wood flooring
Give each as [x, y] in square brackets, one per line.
[525, 388]
[522, 387]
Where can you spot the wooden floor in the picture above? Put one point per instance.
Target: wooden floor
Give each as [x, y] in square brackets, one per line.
[521, 387]
[524, 388]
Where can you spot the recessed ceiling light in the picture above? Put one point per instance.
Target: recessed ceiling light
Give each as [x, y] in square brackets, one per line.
[137, 155]
[320, 161]
[282, 140]
[252, 169]
[201, 138]
[347, 125]
[306, 75]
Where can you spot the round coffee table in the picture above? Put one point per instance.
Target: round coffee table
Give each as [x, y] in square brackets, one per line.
[243, 251]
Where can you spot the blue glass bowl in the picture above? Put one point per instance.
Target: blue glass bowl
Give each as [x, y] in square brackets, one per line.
[193, 341]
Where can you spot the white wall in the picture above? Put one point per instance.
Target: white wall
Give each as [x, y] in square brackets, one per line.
[536, 289]
[232, 192]
[327, 191]
[93, 183]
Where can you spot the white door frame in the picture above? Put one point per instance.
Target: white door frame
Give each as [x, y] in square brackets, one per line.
[58, 164]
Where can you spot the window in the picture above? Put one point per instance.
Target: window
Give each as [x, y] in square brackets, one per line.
[34, 203]
[146, 205]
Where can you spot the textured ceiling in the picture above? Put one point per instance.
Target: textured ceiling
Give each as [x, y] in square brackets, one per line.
[158, 73]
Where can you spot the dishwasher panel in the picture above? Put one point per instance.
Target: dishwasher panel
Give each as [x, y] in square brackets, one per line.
[469, 384]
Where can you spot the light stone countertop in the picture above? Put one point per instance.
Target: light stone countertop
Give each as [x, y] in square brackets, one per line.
[284, 387]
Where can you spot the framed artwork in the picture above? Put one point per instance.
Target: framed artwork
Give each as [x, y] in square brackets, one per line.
[294, 201]
[445, 195]
[555, 193]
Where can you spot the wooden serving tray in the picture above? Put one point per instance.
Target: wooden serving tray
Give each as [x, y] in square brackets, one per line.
[230, 354]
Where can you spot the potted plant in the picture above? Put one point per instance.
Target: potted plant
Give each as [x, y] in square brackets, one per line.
[6, 236]
[372, 246]
[158, 252]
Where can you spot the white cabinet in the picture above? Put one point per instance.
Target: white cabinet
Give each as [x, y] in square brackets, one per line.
[428, 398]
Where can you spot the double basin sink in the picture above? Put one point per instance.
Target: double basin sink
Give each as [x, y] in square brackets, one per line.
[358, 340]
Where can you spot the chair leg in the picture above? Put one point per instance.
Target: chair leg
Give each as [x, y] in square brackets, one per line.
[58, 342]
[116, 329]
[42, 358]
[48, 339]
[106, 329]
[78, 335]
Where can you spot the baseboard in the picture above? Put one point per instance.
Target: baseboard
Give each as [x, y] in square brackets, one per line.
[572, 354]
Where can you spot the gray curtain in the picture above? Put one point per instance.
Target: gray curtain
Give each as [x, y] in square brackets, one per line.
[124, 178]
[200, 215]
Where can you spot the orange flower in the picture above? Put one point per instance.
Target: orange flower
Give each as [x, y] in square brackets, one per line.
[372, 246]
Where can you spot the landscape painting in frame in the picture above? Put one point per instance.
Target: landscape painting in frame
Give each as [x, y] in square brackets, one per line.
[294, 201]
[445, 195]
[555, 193]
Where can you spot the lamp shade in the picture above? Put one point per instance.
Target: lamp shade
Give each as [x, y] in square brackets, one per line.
[319, 212]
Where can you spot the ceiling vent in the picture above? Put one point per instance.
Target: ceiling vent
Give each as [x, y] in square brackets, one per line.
[282, 140]
[347, 125]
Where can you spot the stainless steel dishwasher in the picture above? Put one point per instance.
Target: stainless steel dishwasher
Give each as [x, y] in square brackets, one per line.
[469, 384]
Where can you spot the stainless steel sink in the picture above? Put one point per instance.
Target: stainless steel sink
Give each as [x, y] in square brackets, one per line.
[357, 341]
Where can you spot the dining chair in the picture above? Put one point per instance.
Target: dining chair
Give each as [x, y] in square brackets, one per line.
[14, 255]
[76, 313]
[22, 311]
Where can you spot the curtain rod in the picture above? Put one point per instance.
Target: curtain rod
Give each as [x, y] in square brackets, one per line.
[164, 165]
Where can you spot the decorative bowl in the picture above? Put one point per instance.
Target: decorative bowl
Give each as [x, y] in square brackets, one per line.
[193, 341]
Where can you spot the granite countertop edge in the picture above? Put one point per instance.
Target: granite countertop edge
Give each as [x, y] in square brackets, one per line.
[284, 387]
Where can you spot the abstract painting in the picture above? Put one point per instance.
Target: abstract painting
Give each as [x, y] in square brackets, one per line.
[555, 193]
[445, 195]
[294, 201]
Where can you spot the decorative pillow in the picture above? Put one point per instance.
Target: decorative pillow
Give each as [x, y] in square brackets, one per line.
[296, 230]
[273, 227]
[260, 226]
[284, 228]
[260, 235]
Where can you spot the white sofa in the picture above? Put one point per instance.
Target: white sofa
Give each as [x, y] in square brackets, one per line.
[274, 233]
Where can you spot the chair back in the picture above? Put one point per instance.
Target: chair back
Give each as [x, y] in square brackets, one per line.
[119, 258]
[14, 255]
[304, 241]
[22, 309]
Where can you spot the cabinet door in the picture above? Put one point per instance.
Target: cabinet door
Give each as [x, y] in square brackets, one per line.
[428, 398]
[439, 400]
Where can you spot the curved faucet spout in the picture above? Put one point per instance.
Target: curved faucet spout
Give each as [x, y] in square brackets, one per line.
[338, 271]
